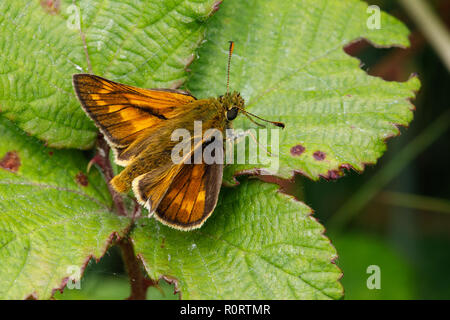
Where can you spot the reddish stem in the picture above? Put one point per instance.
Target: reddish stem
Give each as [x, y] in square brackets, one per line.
[102, 160]
[139, 284]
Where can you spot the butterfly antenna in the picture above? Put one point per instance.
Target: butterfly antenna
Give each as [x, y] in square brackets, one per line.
[252, 120]
[248, 114]
[230, 53]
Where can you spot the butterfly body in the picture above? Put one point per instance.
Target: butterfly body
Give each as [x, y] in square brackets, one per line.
[138, 125]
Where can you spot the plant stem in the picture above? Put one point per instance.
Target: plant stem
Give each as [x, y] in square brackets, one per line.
[102, 159]
[138, 282]
[431, 26]
[415, 201]
[364, 194]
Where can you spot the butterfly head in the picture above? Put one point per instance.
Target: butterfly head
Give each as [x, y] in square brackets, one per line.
[232, 103]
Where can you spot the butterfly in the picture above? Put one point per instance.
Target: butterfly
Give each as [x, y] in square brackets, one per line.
[138, 123]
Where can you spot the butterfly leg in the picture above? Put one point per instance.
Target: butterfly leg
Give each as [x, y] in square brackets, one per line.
[232, 136]
[252, 136]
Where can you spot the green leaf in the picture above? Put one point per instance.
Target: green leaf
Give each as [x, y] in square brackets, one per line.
[290, 66]
[259, 244]
[138, 42]
[53, 216]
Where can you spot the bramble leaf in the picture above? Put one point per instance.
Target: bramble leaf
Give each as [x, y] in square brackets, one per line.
[290, 66]
[53, 216]
[143, 43]
[258, 244]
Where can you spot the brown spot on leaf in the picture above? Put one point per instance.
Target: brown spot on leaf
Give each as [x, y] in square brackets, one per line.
[82, 179]
[297, 150]
[163, 243]
[10, 161]
[50, 153]
[319, 155]
[51, 6]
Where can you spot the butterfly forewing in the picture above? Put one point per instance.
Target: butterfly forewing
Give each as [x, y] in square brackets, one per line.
[123, 112]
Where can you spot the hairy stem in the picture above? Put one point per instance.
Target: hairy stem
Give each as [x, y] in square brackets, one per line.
[431, 26]
[102, 159]
[138, 282]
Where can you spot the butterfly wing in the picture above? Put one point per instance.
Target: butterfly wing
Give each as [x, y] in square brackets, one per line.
[192, 196]
[149, 188]
[182, 196]
[122, 112]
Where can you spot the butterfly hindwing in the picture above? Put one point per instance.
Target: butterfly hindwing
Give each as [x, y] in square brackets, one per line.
[180, 195]
[151, 187]
[124, 112]
[191, 197]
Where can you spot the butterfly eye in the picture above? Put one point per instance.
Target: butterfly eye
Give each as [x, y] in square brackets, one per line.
[232, 113]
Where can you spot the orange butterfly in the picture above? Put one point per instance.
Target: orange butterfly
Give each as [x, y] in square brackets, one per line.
[138, 124]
